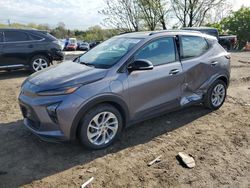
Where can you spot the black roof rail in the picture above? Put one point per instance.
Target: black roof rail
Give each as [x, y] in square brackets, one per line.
[126, 32]
[172, 30]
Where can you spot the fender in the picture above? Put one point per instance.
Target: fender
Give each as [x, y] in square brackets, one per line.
[204, 87]
[104, 98]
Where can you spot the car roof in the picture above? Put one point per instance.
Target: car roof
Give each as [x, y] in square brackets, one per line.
[23, 29]
[147, 34]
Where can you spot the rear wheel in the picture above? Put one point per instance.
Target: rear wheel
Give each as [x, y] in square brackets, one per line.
[39, 62]
[216, 95]
[100, 127]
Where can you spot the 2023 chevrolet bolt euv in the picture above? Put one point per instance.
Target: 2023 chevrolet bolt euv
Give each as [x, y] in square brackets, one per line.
[125, 80]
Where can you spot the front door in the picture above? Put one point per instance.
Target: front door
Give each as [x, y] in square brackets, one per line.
[159, 89]
[17, 48]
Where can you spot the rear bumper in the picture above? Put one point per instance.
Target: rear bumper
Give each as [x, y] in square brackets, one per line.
[58, 56]
[71, 48]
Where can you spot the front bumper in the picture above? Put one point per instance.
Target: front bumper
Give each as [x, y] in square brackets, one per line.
[45, 130]
[37, 119]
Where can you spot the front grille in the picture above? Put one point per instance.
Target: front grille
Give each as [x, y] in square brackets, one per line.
[31, 117]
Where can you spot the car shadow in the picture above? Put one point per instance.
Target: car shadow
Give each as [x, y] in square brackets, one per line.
[4, 75]
[25, 158]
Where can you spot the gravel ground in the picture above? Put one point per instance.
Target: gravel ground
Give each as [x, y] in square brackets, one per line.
[218, 141]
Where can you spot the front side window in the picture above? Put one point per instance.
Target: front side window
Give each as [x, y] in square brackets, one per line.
[109, 52]
[158, 52]
[193, 46]
[15, 36]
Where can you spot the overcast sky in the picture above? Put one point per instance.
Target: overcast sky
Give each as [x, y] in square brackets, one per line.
[78, 14]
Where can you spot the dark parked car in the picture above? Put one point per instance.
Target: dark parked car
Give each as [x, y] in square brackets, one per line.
[229, 42]
[122, 81]
[93, 44]
[207, 30]
[31, 49]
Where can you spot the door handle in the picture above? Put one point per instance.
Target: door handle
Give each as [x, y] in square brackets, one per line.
[174, 71]
[214, 63]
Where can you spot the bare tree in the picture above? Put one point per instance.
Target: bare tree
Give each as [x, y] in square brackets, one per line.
[216, 14]
[122, 15]
[163, 10]
[153, 12]
[193, 12]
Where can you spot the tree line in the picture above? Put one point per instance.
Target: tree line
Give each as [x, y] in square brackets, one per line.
[94, 33]
[136, 15]
[141, 15]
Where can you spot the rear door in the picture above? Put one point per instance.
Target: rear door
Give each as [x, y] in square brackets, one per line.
[199, 63]
[157, 90]
[17, 47]
[1, 49]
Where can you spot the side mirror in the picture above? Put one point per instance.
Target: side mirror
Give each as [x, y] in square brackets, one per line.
[140, 64]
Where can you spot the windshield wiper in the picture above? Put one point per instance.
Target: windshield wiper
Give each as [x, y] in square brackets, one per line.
[87, 64]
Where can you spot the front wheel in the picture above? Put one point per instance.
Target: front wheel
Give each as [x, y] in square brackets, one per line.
[100, 127]
[216, 95]
[39, 63]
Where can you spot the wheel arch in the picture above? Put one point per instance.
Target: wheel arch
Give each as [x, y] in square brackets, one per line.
[224, 79]
[113, 100]
[41, 53]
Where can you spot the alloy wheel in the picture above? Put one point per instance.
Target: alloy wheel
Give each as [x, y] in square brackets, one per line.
[218, 95]
[39, 64]
[102, 128]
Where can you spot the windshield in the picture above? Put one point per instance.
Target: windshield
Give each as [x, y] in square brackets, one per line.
[72, 41]
[109, 52]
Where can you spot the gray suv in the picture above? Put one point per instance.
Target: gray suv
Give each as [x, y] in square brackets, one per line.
[124, 80]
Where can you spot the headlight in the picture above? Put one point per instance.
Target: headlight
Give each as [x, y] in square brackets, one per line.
[60, 91]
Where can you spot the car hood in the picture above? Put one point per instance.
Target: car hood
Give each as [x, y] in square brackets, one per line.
[66, 74]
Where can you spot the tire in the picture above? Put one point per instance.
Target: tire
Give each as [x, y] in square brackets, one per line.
[39, 62]
[209, 99]
[89, 127]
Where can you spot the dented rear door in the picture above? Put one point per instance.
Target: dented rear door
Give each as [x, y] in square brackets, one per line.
[199, 62]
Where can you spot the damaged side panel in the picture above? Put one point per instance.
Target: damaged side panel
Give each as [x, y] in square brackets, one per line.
[200, 73]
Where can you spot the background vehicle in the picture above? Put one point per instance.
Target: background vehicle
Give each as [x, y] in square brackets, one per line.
[72, 44]
[31, 49]
[124, 80]
[207, 30]
[62, 43]
[84, 46]
[92, 44]
[229, 42]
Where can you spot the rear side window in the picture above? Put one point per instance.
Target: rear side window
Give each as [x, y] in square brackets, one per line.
[34, 37]
[15, 36]
[160, 51]
[193, 46]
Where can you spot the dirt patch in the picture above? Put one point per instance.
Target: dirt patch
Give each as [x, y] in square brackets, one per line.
[218, 141]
